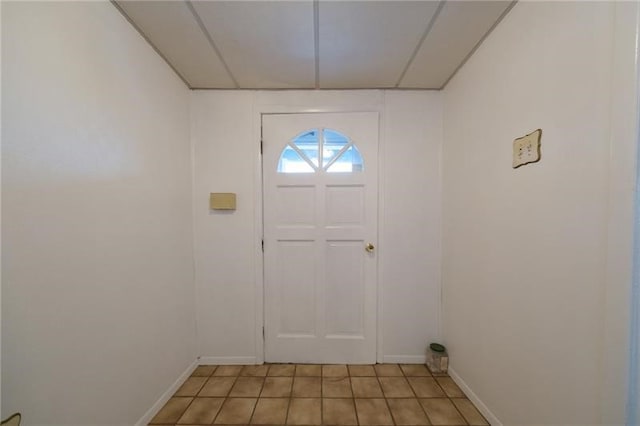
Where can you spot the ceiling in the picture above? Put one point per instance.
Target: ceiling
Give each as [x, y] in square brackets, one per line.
[314, 44]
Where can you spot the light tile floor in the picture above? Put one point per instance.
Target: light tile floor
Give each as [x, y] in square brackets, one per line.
[302, 394]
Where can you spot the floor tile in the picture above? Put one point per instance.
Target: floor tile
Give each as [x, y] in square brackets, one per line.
[247, 387]
[305, 411]
[308, 370]
[470, 413]
[388, 370]
[228, 370]
[201, 411]
[217, 386]
[282, 370]
[236, 411]
[366, 387]
[361, 370]
[306, 387]
[407, 412]
[338, 411]
[270, 411]
[450, 388]
[426, 387]
[191, 386]
[334, 371]
[204, 370]
[304, 394]
[396, 387]
[277, 387]
[172, 411]
[336, 387]
[415, 370]
[373, 412]
[255, 370]
[441, 411]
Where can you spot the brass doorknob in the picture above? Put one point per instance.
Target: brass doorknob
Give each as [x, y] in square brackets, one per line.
[370, 248]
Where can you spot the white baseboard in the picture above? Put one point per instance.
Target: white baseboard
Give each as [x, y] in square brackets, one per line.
[491, 418]
[146, 418]
[227, 360]
[404, 359]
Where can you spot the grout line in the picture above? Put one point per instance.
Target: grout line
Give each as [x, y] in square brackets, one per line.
[386, 400]
[460, 412]
[353, 395]
[253, 411]
[264, 379]
[427, 30]
[286, 415]
[321, 399]
[193, 398]
[206, 33]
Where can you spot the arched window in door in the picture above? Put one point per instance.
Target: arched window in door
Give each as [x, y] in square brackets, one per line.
[320, 150]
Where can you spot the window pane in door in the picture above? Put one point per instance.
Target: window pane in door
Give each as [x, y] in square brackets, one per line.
[291, 162]
[308, 143]
[349, 161]
[333, 142]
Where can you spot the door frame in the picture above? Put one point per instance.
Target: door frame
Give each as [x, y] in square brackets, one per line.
[300, 102]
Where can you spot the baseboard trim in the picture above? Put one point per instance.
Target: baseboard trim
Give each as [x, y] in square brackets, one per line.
[150, 414]
[404, 359]
[227, 360]
[491, 418]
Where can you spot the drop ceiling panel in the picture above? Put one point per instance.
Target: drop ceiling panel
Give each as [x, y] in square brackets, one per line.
[367, 44]
[459, 27]
[266, 44]
[172, 29]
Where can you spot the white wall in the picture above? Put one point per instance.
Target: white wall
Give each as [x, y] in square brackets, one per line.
[410, 245]
[97, 315]
[224, 153]
[225, 135]
[525, 271]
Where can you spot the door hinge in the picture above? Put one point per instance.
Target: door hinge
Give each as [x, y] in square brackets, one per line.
[263, 246]
[261, 146]
[263, 334]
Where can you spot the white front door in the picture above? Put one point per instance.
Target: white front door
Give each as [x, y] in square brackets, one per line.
[320, 230]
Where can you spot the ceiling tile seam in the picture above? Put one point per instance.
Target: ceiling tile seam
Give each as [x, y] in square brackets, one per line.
[479, 43]
[316, 40]
[427, 30]
[148, 40]
[212, 43]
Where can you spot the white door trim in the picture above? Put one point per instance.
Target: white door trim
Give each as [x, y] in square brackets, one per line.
[332, 239]
[313, 102]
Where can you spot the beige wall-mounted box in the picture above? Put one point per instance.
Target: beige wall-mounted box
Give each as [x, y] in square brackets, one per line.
[222, 201]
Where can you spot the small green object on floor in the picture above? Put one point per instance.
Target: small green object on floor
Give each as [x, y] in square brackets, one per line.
[437, 347]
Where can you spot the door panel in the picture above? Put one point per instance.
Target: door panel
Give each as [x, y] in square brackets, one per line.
[345, 287]
[296, 299]
[345, 205]
[320, 212]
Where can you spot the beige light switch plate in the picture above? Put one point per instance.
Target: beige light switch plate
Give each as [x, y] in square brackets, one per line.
[222, 201]
[526, 149]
